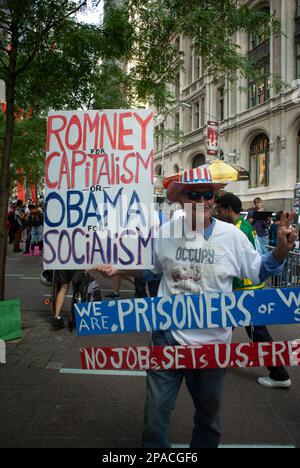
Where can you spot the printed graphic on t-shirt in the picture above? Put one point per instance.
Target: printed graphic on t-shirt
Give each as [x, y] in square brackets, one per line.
[191, 264]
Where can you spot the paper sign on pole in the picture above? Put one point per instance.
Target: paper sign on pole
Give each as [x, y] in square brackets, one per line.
[99, 189]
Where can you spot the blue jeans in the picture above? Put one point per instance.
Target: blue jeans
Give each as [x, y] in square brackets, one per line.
[206, 388]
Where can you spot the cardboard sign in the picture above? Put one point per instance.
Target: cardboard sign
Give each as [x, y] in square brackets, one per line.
[223, 356]
[183, 312]
[99, 187]
[10, 320]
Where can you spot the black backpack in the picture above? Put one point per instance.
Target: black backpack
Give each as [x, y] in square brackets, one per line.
[35, 219]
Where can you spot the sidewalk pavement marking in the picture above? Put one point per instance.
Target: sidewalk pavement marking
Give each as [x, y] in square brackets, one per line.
[121, 290]
[104, 372]
[30, 278]
[50, 295]
[14, 275]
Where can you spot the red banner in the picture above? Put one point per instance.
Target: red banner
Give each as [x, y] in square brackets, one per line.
[212, 141]
[21, 191]
[33, 193]
[241, 355]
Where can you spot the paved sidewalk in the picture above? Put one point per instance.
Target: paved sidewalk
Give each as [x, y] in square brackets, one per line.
[42, 406]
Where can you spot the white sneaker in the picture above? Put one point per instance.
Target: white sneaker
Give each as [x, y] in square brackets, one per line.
[268, 382]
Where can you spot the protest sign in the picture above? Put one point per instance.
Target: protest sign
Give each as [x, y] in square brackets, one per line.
[239, 355]
[10, 320]
[99, 188]
[183, 312]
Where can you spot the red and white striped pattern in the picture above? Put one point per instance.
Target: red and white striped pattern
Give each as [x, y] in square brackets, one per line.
[200, 175]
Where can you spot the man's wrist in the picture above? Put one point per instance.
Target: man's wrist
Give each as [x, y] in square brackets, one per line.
[279, 255]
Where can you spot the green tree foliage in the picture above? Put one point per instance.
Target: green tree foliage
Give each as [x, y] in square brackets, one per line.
[50, 61]
[28, 152]
[211, 24]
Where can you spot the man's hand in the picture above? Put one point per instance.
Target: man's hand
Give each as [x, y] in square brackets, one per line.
[108, 271]
[286, 236]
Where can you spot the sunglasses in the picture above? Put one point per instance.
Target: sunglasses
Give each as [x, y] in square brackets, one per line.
[196, 196]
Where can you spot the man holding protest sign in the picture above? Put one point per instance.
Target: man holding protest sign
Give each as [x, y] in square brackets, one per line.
[200, 260]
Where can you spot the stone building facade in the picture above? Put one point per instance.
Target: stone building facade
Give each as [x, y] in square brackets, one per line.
[259, 124]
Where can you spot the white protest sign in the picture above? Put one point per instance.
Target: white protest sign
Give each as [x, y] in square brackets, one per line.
[99, 189]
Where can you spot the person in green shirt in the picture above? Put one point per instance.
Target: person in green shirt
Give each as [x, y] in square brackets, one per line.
[228, 209]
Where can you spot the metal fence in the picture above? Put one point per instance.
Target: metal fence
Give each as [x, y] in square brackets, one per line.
[290, 277]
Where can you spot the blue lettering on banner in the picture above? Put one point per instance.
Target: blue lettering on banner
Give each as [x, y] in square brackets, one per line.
[209, 310]
[81, 212]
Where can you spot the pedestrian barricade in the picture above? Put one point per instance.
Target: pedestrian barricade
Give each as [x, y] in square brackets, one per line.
[290, 277]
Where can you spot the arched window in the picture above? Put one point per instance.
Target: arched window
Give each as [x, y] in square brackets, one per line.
[259, 161]
[198, 160]
[158, 170]
[176, 169]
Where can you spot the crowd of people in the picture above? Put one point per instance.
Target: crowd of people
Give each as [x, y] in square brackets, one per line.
[25, 222]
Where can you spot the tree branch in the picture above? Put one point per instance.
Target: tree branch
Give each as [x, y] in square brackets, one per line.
[51, 25]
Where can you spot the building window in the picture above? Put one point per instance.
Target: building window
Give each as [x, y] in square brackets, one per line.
[260, 56]
[157, 139]
[257, 39]
[221, 92]
[190, 64]
[176, 169]
[177, 123]
[259, 161]
[259, 91]
[196, 115]
[177, 45]
[158, 170]
[197, 65]
[198, 161]
[297, 60]
[202, 111]
[297, 8]
[177, 86]
[159, 136]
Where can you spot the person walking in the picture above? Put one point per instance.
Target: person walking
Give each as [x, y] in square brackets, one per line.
[273, 230]
[229, 207]
[260, 221]
[35, 223]
[10, 223]
[64, 278]
[201, 260]
[18, 222]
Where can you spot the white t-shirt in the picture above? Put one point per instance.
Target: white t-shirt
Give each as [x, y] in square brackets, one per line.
[196, 265]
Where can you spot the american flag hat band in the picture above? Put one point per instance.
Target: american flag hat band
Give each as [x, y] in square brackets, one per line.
[192, 177]
[200, 175]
